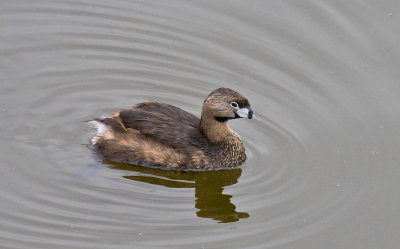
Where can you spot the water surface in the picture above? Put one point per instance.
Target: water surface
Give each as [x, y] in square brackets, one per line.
[322, 168]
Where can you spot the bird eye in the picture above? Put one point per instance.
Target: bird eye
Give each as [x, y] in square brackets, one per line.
[234, 105]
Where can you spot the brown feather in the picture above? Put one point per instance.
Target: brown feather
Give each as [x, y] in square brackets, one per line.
[157, 134]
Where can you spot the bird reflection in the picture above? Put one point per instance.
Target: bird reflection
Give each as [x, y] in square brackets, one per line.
[211, 202]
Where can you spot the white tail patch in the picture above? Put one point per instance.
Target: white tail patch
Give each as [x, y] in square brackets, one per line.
[101, 129]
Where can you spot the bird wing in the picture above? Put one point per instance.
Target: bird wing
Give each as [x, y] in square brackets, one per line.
[164, 123]
[170, 111]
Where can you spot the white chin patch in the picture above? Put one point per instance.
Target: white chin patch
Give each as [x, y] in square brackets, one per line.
[243, 112]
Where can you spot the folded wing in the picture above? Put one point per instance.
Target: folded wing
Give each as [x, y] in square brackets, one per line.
[166, 124]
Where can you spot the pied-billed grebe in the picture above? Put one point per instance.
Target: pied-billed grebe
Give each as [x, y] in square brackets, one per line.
[162, 135]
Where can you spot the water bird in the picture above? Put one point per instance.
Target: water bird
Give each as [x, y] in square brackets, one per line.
[165, 136]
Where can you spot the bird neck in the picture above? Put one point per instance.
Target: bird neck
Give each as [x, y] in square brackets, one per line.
[217, 132]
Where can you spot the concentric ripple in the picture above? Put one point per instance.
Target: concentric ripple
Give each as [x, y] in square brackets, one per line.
[324, 137]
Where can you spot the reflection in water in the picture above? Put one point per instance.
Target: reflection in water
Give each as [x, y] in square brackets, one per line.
[210, 201]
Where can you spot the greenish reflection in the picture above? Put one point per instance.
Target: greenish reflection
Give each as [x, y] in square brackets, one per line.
[210, 201]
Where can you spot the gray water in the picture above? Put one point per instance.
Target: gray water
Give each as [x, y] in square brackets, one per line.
[322, 168]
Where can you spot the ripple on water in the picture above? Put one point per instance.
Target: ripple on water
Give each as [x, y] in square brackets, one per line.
[94, 58]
